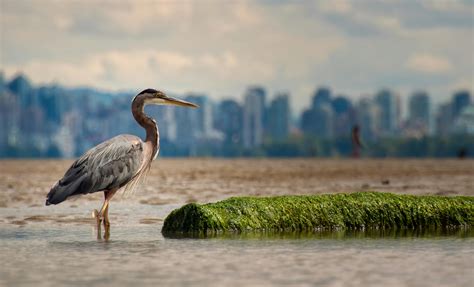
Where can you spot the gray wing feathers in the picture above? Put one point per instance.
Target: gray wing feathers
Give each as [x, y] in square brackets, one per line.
[111, 164]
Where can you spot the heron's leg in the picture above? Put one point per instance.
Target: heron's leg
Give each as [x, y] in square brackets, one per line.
[107, 233]
[103, 215]
[99, 236]
[98, 215]
[108, 196]
[106, 216]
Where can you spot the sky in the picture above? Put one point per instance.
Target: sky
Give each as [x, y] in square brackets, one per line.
[221, 47]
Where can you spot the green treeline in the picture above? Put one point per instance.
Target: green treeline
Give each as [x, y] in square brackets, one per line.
[302, 146]
[342, 147]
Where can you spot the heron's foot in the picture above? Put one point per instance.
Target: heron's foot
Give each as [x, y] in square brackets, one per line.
[106, 226]
[106, 231]
[96, 214]
[106, 222]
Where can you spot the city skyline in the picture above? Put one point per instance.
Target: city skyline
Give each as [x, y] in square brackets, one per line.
[218, 48]
[65, 122]
[404, 100]
[272, 93]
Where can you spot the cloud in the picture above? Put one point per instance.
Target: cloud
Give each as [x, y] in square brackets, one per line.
[430, 64]
[336, 7]
[111, 69]
[448, 6]
[221, 47]
[463, 84]
[129, 69]
[208, 47]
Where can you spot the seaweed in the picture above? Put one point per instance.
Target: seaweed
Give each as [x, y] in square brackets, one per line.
[342, 211]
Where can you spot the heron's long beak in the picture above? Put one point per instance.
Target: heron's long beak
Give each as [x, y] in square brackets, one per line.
[177, 102]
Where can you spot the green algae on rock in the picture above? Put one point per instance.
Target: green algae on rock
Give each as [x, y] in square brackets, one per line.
[361, 210]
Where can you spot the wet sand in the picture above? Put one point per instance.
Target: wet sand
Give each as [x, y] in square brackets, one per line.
[170, 181]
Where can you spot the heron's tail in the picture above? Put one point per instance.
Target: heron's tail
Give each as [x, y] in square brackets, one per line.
[62, 190]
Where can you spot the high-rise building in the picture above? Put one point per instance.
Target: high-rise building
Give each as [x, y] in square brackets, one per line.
[322, 96]
[22, 88]
[461, 100]
[367, 116]
[203, 116]
[2, 81]
[53, 101]
[278, 117]
[444, 119]
[165, 118]
[194, 127]
[465, 121]
[344, 116]
[341, 105]
[419, 113]
[229, 121]
[9, 121]
[318, 120]
[193, 124]
[253, 117]
[185, 127]
[389, 106]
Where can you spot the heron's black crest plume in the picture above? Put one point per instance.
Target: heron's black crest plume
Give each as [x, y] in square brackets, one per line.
[148, 91]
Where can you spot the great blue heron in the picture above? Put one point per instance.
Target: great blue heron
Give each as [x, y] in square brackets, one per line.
[117, 163]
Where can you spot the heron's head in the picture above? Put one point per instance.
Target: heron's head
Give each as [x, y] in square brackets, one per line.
[151, 96]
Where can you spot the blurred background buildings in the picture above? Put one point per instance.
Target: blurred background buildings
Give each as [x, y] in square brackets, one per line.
[54, 121]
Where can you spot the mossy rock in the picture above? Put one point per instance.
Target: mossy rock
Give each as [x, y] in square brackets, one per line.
[355, 211]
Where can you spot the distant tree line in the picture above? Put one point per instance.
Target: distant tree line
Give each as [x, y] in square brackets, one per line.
[307, 146]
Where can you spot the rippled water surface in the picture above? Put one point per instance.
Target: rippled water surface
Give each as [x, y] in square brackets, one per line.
[49, 253]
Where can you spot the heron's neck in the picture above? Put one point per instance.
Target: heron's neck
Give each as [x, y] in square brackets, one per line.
[150, 126]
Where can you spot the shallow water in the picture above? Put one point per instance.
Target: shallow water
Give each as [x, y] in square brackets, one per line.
[57, 245]
[45, 252]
